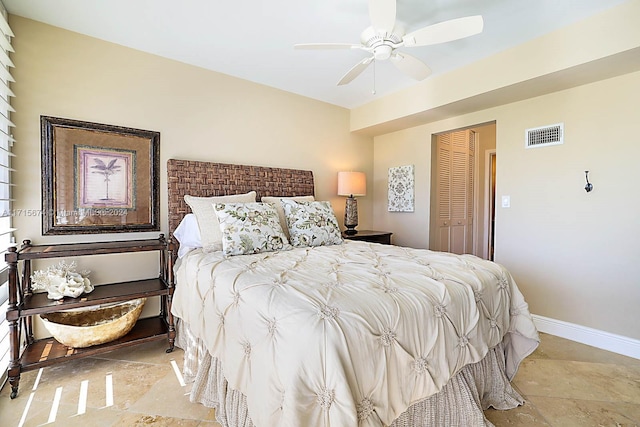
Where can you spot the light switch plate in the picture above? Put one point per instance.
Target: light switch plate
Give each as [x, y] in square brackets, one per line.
[506, 201]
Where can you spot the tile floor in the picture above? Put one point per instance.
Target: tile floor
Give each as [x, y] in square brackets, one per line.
[564, 383]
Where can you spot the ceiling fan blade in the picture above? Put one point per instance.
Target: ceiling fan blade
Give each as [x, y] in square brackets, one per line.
[355, 71]
[313, 46]
[383, 15]
[410, 65]
[446, 31]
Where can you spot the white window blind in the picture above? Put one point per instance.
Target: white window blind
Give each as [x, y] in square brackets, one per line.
[6, 143]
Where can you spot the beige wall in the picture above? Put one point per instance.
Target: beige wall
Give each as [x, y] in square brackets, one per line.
[200, 114]
[409, 147]
[572, 250]
[572, 253]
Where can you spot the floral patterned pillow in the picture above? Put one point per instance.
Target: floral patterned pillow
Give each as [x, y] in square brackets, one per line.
[208, 224]
[311, 223]
[249, 228]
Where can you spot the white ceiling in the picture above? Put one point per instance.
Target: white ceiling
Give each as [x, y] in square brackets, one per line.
[254, 40]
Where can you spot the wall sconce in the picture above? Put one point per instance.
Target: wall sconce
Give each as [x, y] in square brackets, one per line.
[589, 186]
[351, 184]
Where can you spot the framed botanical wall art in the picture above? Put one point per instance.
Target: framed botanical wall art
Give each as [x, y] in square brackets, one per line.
[401, 191]
[98, 178]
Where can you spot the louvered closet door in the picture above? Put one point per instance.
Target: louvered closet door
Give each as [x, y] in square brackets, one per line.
[454, 192]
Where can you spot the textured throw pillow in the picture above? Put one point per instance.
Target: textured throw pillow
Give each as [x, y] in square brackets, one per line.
[249, 228]
[311, 223]
[278, 204]
[208, 223]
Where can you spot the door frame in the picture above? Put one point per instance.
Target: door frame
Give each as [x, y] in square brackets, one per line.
[489, 197]
[480, 246]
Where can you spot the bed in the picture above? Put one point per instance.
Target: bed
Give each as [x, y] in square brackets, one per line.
[344, 334]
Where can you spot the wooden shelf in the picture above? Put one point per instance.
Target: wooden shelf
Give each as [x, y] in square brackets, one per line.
[103, 294]
[48, 351]
[92, 248]
[27, 353]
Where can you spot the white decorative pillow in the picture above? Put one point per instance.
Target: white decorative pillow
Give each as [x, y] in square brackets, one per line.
[281, 216]
[311, 223]
[249, 228]
[188, 234]
[202, 207]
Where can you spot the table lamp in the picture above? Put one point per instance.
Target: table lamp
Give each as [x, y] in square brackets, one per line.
[351, 184]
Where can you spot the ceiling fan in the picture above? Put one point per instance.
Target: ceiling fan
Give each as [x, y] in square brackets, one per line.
[386, 35]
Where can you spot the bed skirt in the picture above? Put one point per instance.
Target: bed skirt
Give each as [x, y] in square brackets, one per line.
[460, 402]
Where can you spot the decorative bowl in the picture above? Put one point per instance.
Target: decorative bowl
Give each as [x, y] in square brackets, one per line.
[93, 325]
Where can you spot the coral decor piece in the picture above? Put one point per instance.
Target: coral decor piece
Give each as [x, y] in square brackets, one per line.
[62, 280]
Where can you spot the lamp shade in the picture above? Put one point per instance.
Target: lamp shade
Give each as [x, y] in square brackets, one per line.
[352, 184]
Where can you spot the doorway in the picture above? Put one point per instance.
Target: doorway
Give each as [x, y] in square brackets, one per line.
[490, 203]
[453, 200]
[463, 191]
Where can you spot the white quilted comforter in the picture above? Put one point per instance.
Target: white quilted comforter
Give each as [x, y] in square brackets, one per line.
[351, 334]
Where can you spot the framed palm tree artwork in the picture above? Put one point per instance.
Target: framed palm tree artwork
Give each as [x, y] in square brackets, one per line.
[98, 178]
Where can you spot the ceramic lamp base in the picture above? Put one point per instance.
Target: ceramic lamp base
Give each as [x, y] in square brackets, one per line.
[351, 215]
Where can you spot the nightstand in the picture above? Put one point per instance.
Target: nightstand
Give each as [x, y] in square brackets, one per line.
[372, 236]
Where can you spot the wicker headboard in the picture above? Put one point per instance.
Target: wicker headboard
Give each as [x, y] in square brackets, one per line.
[205, 179]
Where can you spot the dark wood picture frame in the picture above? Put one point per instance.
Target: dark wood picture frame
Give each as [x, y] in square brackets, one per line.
[98, 178]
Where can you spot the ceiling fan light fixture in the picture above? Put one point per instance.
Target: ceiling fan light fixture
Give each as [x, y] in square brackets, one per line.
[382, 52]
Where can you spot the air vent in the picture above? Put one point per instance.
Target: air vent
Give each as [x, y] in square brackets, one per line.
[544, 136]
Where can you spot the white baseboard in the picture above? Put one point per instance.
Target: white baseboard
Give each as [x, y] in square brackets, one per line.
[585, 335]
